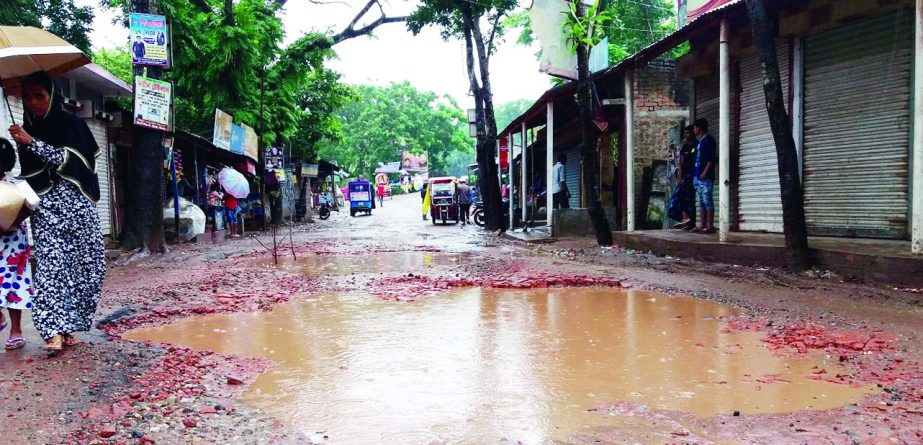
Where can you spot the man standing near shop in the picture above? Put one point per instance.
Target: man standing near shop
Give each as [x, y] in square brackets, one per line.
[705, 175]
[559, 186]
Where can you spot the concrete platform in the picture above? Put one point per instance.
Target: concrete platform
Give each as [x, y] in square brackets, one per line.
[877, 260]
[535, 235]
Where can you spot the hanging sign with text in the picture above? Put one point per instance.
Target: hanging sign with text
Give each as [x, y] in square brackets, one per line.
[152, 103]
[149, 40]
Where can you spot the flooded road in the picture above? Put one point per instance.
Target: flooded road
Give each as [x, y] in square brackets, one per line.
[376, 262]
[482, 366]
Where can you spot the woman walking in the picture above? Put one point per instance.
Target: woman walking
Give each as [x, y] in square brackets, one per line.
[57, 154]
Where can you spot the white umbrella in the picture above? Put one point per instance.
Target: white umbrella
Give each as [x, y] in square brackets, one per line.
[234, 183]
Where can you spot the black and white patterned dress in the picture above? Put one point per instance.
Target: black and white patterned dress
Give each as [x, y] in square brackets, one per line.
[69, 254]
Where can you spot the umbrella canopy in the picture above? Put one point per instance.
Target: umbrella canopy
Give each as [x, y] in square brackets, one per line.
[25, 50]
[234, 183]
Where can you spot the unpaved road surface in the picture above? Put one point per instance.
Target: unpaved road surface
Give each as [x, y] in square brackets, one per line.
[864, 339]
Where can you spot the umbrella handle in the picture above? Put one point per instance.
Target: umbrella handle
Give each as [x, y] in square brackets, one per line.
[7, 102]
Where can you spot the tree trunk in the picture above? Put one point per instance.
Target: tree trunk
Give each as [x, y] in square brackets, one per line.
[589, 143]
[796, 234]
[488, 182]
[145, 228]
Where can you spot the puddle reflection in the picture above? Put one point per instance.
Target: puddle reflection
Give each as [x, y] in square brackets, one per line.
[479, 366]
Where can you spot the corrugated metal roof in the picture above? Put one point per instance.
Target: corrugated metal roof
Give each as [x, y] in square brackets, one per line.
[650, 52]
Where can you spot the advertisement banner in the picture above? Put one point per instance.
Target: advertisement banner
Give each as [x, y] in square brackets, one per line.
[274, 158]
[237, 139]
[152, 103]
[547, 19]
[504, 153]
[222, 133]
[149, 40]
[251, 143]
[415, 163]
[309, 170]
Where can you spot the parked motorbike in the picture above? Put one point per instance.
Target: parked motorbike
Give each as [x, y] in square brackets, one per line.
[323, 211]
[478, 213]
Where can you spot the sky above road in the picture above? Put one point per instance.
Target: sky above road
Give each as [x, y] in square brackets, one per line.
[393, 55]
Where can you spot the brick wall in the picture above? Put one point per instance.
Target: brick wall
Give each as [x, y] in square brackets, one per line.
[661, 102]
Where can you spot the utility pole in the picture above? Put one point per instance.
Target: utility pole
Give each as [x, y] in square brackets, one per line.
[794, 227]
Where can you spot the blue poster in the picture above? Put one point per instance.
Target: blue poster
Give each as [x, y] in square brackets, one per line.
[238, 134]
[149, 40]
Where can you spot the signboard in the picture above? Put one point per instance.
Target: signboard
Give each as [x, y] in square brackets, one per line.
[251, 143]
[309, 170]
[415, 163]
[149, 40]
[391, 167]
[599, 56]
[152, 103]
[547, 19]
[504, 153]
[273, 158]
[222, 133]
[237, 139]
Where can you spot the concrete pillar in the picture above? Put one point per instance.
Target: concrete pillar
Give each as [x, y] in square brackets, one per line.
[525, 176]
[549, 164]
[916, 193]
[630, 150]
[724, 136]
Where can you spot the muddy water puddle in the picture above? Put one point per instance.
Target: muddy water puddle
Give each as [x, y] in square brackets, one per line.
[480, 366]
[377, 262]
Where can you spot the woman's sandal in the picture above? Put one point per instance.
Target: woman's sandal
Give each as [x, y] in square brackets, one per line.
[71, 340]
[54, 344]
[14, 343]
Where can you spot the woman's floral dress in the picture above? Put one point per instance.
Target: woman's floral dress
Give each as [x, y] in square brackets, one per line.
[69, 254]
[16, 289]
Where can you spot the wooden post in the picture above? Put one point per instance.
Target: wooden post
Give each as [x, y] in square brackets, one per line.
[524, 177]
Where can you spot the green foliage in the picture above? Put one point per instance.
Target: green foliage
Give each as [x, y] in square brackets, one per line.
[447, 16]
[117, 61]
[59, 17]
[380, 122]
[249, 73]
[586, 29]
[507, 111]
[632, 25]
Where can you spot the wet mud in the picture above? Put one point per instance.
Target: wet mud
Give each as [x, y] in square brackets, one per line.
[482, 366]
[856, 347]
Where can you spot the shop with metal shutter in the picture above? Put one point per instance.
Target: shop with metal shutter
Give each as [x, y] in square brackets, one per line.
[857, 128]
[98, 128]
[573, 175]
[759, 199]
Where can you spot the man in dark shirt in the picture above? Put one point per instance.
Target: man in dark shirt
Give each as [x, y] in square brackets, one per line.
[138, 48]
[686, 174]
[704, 172]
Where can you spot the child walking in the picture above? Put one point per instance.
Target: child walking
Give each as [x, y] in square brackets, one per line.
[15, 270]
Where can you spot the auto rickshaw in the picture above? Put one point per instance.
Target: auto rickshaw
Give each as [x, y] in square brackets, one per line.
[442, 202]
[361, 197]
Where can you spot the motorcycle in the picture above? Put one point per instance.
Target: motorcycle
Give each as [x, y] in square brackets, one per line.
[323, 211]
[478, 213]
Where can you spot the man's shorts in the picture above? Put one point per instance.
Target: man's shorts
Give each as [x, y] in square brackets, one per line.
[231, 216]
[703, 189]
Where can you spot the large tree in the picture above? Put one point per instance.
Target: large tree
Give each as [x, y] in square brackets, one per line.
[383, 121]
[229, 54]
[479, 25]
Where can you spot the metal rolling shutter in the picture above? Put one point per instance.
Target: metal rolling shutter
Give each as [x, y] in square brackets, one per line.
[98, 129]
[572, 173]
[857, 128]
[760, 202]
